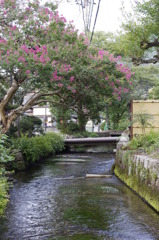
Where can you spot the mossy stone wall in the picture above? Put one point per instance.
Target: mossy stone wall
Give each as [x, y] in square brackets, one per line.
[140, 173]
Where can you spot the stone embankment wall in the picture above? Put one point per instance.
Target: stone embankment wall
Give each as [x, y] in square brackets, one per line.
[139, 172]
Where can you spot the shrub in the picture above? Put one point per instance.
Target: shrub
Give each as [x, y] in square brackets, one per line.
[36, 148]
[5, 156]
[148, 142]
[68, 127]
[102, 126]
[28, 124]
[4, 186]
[85, 134]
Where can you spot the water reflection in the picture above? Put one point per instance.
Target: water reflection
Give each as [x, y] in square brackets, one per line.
[51, 201]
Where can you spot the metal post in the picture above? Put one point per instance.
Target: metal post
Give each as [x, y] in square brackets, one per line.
[107, 118]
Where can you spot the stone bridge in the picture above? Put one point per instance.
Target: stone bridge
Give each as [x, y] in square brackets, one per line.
[99, 144]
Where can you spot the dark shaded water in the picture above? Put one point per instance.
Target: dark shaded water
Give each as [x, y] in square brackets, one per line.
[51, 201]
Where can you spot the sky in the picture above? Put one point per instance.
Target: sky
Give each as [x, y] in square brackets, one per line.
[109, 16]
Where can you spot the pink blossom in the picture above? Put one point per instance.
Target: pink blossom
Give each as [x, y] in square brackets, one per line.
[73, 90]
[3, 41]
[72, 79]
[119, 98]
[21, 59]
[101, 52]
[13, 28]
[106, 53]
[119, 58]
[60, 85]
[69, 87]
[27, 71]
[1, 2]
[53, 63]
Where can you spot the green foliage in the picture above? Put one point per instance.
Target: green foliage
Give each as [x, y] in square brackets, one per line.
[3, 192]
[5, 155]
[143, 120]
[148, 143]
[85, 134]
[107, 41]
[102, 126]
[141, 32]
[28, 124]
[72, 127]
[36, 148]
[154, 93]
[145, 82]
[68, 127]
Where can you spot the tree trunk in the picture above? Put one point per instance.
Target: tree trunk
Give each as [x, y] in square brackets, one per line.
[82, 120]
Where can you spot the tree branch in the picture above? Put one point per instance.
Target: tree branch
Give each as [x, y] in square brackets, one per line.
[147, 45]
[9, 95]
[138, 61]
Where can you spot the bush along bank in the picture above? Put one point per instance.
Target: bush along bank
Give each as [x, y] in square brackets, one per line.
[4, 187]
[5, 157]
[36, 148]
[140, 172]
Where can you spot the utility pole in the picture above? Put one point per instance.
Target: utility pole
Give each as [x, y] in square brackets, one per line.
[87, 11]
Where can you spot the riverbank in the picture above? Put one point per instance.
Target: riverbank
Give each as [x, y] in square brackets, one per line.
[4, 198]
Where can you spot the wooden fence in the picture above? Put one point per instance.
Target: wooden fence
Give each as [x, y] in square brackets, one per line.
[149, 108]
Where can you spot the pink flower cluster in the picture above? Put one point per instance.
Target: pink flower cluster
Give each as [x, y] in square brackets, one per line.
[2, 2]
[71, 89]
[124, 70]
[65, 68]
[102, 53]
[55, 77]
[39, 54]
[3, 41]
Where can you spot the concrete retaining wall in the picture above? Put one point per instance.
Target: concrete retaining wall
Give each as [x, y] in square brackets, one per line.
[139, 172]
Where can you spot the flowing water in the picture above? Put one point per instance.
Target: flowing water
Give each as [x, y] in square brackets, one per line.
[54, 201]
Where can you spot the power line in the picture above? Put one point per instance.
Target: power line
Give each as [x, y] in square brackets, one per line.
[83, 14]
[90, 14]
[87, 10]
[95, 20]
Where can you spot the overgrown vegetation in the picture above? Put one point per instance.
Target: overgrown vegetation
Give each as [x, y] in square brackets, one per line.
[26, 125]
[85, 134]
[149, 143]
[5, 156]
[36, 148]
[4, 186]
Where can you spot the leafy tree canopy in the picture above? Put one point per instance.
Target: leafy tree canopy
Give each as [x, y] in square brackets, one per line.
[43, 55]
[140, 39]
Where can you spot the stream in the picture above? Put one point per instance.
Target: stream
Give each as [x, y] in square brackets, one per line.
[55, 201]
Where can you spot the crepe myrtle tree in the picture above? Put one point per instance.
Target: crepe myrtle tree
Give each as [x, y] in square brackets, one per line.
[32, 39]
[42, 54]
[98, 77]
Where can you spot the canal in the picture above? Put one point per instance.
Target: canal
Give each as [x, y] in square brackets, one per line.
[54, 201]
